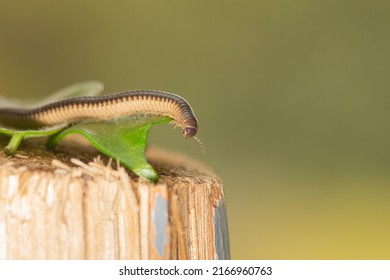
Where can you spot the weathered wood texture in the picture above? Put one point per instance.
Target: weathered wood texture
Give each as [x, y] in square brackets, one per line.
[56, 206]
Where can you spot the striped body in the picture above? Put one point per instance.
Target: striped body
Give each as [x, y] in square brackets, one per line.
[106, 107]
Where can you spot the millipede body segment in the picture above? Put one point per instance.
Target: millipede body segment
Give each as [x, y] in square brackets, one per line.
[95, 108]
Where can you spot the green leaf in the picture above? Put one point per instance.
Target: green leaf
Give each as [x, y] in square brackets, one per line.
[18, 135]
[123, 139]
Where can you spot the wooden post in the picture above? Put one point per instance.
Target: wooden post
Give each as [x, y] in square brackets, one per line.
[70, 205]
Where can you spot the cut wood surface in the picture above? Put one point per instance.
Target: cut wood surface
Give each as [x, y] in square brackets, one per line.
[74, 203]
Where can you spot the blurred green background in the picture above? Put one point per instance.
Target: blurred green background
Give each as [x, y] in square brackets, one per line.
[292, 99]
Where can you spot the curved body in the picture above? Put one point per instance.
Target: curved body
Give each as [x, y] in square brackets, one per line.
[105, 107]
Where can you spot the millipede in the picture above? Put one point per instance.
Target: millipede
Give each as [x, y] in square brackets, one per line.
[105, 107]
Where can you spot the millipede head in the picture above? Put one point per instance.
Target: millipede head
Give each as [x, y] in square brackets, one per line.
[189, 131]
[190, 128]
